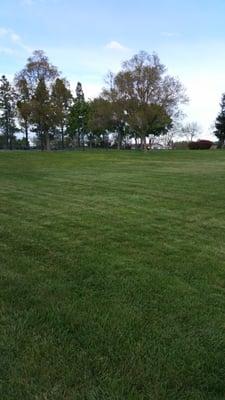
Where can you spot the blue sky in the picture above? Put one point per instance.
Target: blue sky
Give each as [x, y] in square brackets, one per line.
[86, 39]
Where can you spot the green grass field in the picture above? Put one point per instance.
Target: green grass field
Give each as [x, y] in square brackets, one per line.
[112, 275]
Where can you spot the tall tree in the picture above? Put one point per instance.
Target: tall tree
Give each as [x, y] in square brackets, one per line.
[100, 120]
[8, 111]
[220, 123]
[120, 118]
[24, 106]
[143, 82]
[149, 120]
[37, 78]
[143, 78]
[38, 68]
[78, 117]
[61, 99]
[42, 114]
[79, 92]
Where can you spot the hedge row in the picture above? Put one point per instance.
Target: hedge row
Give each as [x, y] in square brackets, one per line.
[200, 145]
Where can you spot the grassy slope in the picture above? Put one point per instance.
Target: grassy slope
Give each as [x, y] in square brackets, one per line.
[113, 276]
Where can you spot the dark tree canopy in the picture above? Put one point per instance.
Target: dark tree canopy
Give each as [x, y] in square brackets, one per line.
[78, 117]
[61, 98]
[8, 111]
[79, 92]
[42, 113]
[24, 106]
[220, 123]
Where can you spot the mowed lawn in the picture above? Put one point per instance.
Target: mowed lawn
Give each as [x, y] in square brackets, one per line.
[112, 275]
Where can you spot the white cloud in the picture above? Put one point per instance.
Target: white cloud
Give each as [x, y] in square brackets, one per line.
[12, 42]
[15, 38]
[3, 32]
[114, 45]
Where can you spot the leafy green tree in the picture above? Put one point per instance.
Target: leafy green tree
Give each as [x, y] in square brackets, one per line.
[120, 118]
[34, 83]
[220, 124]
[149, 120]
[143, 78]
[142, 86]
[19, 144]
[61, 99]
[78, 117]
[108, 116]
[79, 92]
[8, 111]
[42, 114]
[24, 106]
[100, 120]
[2, 141]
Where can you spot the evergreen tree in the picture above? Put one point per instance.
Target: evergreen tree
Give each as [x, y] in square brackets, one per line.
[100, 121]
[78, 117]
[8, 111]
[61, 99]
[220, 123]
[24, 106]
[42, 114]
[36, 79]
[79, 92]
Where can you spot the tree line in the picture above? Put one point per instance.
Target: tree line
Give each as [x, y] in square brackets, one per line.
[137, 104]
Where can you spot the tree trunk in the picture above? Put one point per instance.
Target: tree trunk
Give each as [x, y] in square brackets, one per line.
[136, 143]
[10, 142]
[7, 131]
[42, 142]
[82, 139]
[62, 136]
[6, 140]
[47, 141]
[78, 139]
[119, 140]
[143, 143]
[26, 135]
[41, 136]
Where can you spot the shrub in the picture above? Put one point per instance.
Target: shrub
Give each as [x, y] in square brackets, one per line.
[204, 144]
[181, 145]
[193, 145]
[200, 145]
